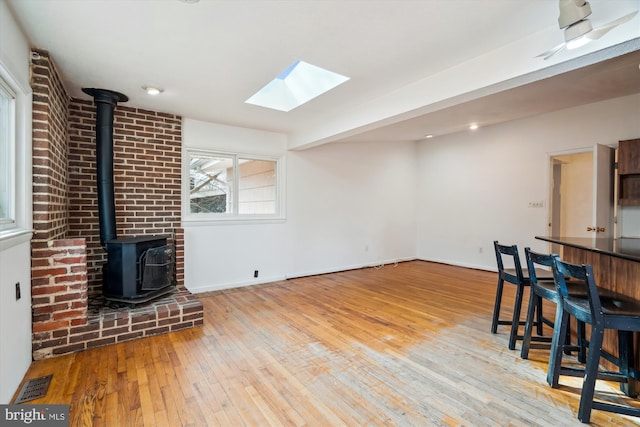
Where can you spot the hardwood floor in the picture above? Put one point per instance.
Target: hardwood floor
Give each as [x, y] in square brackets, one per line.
[405, 345]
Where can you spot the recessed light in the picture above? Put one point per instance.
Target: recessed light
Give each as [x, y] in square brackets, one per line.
[428, 136]
[152, 90]
[473, 126]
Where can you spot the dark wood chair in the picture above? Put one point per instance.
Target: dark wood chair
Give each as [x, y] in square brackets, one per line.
[612, 311]
[515, 276]
[546, 289]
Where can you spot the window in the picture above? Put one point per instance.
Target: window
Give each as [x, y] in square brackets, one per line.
[210, 184]
[7, 156]
[232, 186]
[15, 159]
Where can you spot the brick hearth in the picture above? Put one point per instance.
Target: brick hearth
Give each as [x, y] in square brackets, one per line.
[65, 320]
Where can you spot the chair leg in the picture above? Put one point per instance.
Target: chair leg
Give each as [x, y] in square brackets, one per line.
[496, 307]
[625, 355]
[539, 315]
[515, 322]
[567, 339]
[591, 374]
[557, 346]
[526, 338]
[582, 333]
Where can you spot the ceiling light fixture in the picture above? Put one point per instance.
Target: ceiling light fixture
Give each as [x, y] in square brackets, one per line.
[428, 136]
[578, 31]
[573, 18]
[152, 90]
[473, 126]
[576, 35]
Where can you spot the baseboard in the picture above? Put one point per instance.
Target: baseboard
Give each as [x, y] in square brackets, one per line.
[351, 267]
[231, 285]
[240, 284]
[460, 264]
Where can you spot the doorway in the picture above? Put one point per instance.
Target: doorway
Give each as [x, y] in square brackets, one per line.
[581, 193]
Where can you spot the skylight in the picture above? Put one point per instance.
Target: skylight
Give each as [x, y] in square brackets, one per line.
[299, 83]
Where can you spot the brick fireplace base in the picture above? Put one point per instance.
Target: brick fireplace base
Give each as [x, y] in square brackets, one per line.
[64, 320]
[105, 325]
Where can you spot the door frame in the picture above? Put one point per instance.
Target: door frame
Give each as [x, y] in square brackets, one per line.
[551, 156]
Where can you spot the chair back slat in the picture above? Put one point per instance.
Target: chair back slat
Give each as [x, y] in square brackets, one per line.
[509, 252]
[535, 258]
[579, 274]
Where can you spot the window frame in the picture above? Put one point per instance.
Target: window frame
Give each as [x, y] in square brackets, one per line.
[9, 169]
[18, 230]
[233, 217]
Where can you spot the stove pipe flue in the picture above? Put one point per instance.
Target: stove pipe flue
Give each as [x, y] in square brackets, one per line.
[105, 101]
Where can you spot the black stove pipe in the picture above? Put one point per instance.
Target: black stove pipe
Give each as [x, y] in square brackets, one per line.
[105, 101]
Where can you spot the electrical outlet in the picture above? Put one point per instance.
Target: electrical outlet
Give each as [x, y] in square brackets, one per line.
[255, 273]
[18, 295]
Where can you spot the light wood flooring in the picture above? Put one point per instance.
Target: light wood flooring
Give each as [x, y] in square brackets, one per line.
[407, 345]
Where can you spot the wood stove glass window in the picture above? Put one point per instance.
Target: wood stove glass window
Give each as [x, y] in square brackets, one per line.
[232, 186]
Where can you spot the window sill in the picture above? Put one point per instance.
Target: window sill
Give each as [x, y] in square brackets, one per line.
[199, 222]
[14, 237]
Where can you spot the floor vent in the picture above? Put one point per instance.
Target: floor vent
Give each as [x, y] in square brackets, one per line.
[34, 389]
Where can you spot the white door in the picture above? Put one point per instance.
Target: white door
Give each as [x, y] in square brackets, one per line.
[603, 200]
[582, 194]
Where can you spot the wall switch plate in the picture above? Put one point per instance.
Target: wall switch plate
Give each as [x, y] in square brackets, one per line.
[18, 294]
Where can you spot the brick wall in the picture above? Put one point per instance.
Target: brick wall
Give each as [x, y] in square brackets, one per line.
[66, 254]
[50, 108]
[147, 177]
[179, 242]
[59, 294]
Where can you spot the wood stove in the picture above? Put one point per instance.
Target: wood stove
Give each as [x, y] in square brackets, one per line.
[140, 268]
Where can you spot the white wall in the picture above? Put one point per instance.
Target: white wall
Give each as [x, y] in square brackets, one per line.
[223, 255]
[474, 187]
[15, 248]
[347, 206]
[351, 205]
[15, 318]
[359, 204]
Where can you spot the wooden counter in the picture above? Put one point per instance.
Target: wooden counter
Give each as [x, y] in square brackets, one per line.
[616, 266]
[615, 262]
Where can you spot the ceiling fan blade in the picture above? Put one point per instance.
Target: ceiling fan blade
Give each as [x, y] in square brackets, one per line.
[548, 54]
[604, 29]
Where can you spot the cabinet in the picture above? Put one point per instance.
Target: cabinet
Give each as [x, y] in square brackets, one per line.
[629, 172]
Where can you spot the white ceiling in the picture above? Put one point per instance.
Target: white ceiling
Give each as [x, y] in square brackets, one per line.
[416, 66]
